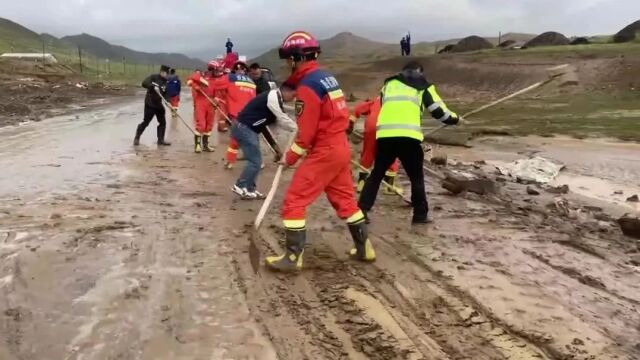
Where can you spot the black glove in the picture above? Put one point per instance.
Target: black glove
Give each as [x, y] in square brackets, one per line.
[452, 120]
[350, 128]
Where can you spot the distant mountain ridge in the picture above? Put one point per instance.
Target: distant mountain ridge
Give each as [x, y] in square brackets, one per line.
[17, 38]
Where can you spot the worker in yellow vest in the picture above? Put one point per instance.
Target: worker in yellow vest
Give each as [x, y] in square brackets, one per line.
[399, 135]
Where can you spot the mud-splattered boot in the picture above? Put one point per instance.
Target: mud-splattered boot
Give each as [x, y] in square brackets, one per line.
[291, 261]
[391, 180]
[205, 144]
[362, 179]
[197, 144]
[363, 250]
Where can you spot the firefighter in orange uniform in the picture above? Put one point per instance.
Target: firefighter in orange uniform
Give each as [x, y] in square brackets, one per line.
[371, 109]
[323, 119]
[236, 90]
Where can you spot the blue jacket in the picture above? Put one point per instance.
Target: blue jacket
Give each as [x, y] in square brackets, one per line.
[173, 86]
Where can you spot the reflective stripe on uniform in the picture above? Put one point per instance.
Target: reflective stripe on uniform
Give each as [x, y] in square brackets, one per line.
[412, 99]
[435, 106]
[336, 94]
[439, 103]
[355, 218]
[391, 173]
[294, 224]
[297, 149]
[246, 84]
[232, 150]
[399, 127]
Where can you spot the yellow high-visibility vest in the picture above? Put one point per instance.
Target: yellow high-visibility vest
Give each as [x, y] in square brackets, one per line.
[401, 112]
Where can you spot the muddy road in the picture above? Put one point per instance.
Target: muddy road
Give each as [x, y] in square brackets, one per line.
[108, 252]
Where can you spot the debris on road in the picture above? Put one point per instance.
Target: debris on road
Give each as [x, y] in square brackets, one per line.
[535, 170]
[633, 198]
[558, 190]
[630, 226]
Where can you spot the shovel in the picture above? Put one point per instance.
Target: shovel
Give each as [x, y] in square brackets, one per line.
[254, 250]
[389, 186]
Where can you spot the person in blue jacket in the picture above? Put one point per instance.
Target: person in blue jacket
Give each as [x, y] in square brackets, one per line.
[174, 86]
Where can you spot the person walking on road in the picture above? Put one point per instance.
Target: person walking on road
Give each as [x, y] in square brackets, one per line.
[407, 49]
[154, 106]
[399, 135]
[264, 110]
[323, 119]
[403, 46]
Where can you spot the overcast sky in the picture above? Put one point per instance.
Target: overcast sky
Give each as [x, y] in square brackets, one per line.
[200, 27]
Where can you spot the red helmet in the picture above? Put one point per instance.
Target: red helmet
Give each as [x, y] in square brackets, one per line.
[299, 45]
[215, 67]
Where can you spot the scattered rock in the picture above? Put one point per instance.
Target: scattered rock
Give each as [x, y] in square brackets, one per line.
[630, 226]
[458, 184]
[618, 192]
[633, 198]
[577, 342]
[439, 160]
[532, 191]
[558, 190]
[635, 260]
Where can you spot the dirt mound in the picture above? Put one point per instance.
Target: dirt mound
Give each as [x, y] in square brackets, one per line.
[550, 38]
[446, 49]
[472, 43]
[580, 41]
[507, 43]
[629, 33]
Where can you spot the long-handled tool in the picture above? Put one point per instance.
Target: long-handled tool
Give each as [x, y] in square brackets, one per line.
[389, 186]
[166, 103]
[254, 250]
[561, 71]
[228, 121]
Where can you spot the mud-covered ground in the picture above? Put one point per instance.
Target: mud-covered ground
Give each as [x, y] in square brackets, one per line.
[30, 94]
[107, 252]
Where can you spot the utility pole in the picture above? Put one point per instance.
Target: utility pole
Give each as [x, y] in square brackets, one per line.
[80, 57]
[124, 66]
[44, 68]
[499, 38]
[97, 67]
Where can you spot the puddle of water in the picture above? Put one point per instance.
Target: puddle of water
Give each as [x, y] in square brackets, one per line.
[599, 189]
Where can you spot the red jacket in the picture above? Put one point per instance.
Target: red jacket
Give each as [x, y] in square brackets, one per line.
[321, 108]
[370, 108]
[236, 91]
[203, 82]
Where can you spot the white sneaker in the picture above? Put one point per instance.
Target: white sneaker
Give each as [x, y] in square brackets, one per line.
[259, 195]
[242, 192]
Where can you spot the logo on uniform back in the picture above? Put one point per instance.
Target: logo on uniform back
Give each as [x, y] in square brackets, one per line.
[299, 107]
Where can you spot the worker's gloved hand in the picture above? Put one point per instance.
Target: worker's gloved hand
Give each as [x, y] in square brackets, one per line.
[291, 158]
[277, 157]
[452, 120]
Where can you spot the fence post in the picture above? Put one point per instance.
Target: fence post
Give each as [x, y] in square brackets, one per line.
[80, 56]
[44, 68]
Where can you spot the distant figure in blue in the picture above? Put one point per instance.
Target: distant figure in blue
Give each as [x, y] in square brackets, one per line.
[407, 49]
[403, 46]
[229, 46]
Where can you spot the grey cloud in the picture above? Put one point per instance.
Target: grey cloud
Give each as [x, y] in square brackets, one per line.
[201, 26]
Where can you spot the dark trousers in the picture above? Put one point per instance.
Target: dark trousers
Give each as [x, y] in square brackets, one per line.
[411, 155]
[149, 113]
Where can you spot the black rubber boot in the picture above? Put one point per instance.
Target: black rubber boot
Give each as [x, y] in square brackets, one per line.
[291, 261]
[363, 250]
[197, 144]
[362, 178]
[205, 144]
[161, 133]
[422, 219]
[139, 131]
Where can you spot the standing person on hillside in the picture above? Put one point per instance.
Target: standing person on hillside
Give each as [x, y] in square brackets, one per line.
[399, 135]
[323, 119]
[403, 45]
[174, 87]
[264, 110]
[154, 106]
[229, 46]
[262, 84]
[408, 41]
[371, 109]
[237, 89]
